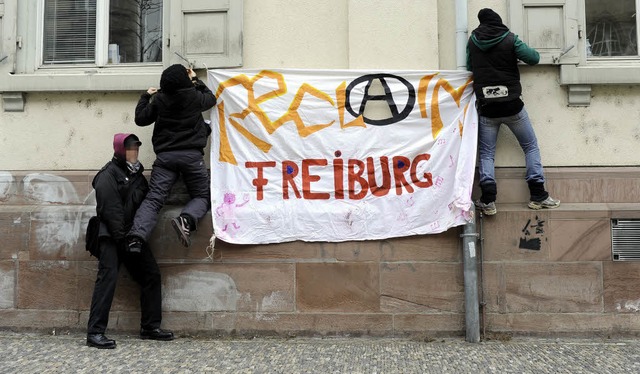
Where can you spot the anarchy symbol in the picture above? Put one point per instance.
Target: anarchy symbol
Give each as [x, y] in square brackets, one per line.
[396, 116]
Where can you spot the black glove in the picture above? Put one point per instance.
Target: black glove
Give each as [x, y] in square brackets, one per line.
[133, 246]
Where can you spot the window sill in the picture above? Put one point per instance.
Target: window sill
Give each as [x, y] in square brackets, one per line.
[601, 73]
[83, 79]
[579, 78]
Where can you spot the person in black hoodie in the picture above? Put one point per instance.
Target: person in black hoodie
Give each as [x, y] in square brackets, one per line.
[179, 137]
[492, 56]
[120, 189]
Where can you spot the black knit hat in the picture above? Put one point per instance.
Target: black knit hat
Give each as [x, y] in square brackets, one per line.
[174, 78]
[488, 16]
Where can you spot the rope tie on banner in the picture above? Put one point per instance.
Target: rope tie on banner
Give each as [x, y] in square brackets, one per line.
[211, 247]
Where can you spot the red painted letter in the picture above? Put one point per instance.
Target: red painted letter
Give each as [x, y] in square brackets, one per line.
[414, 167]
[386, 177]
[289, 171]
[357, 177]
[307, 178]
[260, 181]
[400, 165]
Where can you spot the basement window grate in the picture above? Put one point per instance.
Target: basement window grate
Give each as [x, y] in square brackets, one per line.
[625, 239]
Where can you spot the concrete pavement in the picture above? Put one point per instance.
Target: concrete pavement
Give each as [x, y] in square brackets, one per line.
[40, 353]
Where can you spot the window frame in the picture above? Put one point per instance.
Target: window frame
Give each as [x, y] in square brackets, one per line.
[102, 40]
[39, 64]
[612, 58]
[28, 71]
[600, 70]
[22, 26]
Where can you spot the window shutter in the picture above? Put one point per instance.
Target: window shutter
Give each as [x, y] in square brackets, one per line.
[206, 33]
[8, 18]
[549, 26]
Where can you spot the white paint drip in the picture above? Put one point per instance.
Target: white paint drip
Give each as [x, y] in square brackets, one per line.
[7, 185]
[48, 188]
[245, 298]
[260, 316]
[91, 198]
[59, 230]
[200, 291]
[6, 289]
[628, 306]
[273, 302]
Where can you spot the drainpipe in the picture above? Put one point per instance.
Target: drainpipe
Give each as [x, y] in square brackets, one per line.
[470, 263]
[461, 34]
[470, 236]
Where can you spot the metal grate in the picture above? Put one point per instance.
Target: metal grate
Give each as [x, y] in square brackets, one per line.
[625, 239]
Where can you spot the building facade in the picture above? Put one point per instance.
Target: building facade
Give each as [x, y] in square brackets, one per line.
[71, 72]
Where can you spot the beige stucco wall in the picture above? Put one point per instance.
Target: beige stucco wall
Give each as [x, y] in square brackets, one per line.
[67, 131]
[60, 131]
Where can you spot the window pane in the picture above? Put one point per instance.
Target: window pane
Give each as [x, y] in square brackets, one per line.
[135, 31]
[69, 31]
[611, 28]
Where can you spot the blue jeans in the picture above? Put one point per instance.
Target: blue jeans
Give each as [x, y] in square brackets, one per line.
[520, 126]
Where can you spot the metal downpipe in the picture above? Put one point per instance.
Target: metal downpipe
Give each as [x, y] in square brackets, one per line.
[470, 236]
[470, 263]
[462, 35]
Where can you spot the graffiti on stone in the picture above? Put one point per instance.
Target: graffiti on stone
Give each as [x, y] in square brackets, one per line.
[532, 234]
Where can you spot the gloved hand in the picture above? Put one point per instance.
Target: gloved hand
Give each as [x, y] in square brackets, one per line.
[132, 246]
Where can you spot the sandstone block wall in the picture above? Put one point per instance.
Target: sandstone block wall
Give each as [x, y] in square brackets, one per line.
[543, 272]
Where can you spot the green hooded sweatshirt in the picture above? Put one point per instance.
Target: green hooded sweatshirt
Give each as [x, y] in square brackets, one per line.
[524, 53]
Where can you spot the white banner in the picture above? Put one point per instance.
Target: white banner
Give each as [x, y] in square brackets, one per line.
[330, 155]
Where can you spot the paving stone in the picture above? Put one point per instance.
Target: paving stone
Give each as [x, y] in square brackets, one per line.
[37, 353]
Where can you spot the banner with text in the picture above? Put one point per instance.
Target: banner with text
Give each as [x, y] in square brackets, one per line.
[333, 155]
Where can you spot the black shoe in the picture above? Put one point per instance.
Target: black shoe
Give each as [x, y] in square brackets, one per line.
[100, 341]
[156, 334]
[134, 246]
[183, 229]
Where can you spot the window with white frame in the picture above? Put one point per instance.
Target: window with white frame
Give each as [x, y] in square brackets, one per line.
[593, 41]
[112, 45]
[611, 28]
[101, 32]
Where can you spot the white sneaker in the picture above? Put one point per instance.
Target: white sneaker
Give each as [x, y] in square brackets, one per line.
[548, 203]
[487, 209]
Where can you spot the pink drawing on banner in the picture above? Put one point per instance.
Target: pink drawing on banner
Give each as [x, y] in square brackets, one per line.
[410, 202]
[435, 225]
[403, 216]
[227, 209]
[439, 181]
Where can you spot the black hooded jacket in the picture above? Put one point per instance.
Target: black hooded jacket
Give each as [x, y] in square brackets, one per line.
[177, 112]
[492, 55]
[119, 193]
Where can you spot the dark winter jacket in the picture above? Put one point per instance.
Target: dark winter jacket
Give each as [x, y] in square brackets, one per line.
[119, 193]
[492, 55]
[177, 113]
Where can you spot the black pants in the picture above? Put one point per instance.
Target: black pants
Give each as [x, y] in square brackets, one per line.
[167, 167]
[144, 271]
